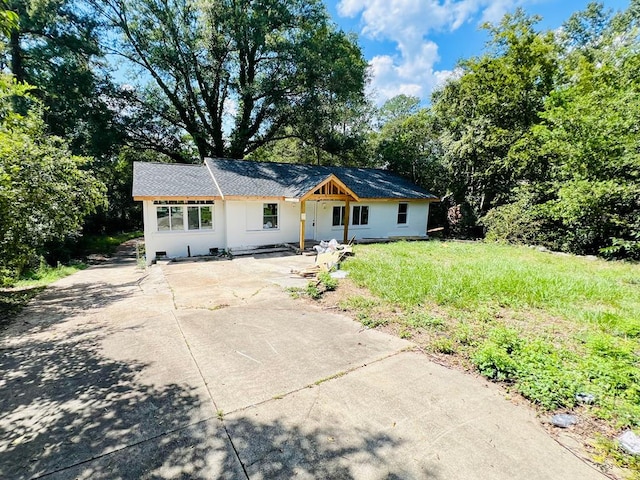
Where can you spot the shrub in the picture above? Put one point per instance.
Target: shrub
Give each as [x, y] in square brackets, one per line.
[545, 375]
[515, 222]
[494, 362]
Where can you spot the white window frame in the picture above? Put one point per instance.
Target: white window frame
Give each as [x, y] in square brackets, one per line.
[359, 216]
[200, 208]
[405, 213]
[265, 217]
[184, 206]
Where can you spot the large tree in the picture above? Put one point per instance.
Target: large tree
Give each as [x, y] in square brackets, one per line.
[234, 74]
[54, 47]
[407, 143]
[490, 106]
[580, 167]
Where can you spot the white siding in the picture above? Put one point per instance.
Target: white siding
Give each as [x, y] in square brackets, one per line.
[245, 225]
[239, 224]
[178, 243]
[383, 221]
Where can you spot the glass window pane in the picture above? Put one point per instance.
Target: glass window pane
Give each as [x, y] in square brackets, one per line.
[356, 216]
[177, 222]
[338, 216]
[270, 215]
[162, 215]
[206, 218]
[364, 219]
[403, 208]
[193, 218]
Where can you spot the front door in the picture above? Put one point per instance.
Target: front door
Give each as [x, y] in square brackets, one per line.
[310, 227]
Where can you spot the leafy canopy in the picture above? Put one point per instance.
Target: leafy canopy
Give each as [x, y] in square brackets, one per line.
[45, 193]
[234, 74]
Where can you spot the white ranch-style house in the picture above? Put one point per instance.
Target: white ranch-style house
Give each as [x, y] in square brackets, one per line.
[238, 204]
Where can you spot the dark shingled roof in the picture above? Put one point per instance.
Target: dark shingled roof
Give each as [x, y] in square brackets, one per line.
[172, 180]
[248, 178]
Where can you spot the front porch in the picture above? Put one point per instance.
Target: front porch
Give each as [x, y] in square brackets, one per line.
[332, 189]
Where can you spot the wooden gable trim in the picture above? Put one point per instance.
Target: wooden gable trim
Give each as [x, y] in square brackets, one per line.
[331, 188]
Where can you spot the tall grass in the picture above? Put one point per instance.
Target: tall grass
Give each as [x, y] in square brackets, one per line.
[552, 326]
[46, 274]
[466, 276]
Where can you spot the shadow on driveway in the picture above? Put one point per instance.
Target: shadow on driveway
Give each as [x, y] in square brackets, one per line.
[63, 403]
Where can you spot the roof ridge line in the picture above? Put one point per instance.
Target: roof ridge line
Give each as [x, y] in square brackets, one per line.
[213, 177]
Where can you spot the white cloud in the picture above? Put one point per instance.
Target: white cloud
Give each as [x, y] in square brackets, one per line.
[408, 23]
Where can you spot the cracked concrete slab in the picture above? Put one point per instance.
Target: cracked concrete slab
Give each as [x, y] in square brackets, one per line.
[286, 343]
[119, 373]
[401, 417]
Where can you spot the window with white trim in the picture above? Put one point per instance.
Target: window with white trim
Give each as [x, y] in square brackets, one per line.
[170, 218]
[403, 213]
[199, 217]
[170, 215]
[338, 216]
[360, 215]
[269, 215]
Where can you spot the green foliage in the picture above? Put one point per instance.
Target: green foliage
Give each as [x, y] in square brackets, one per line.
[288, 69]
[358, 302]
[54, 47]
[423, 320]
[371, 321]
[490, 106]
[443, 345]
[8, 20]
[581, 160]
[408, 145]
[550, 325]
[539, 135]
[324, 283]
[623, 248]
[45, 274]
[45, 193]
[494, 362]
[545, 375]
[517, 222]
[327, 281]
[105, 244]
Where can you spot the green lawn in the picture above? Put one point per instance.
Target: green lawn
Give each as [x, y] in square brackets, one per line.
[548, 325]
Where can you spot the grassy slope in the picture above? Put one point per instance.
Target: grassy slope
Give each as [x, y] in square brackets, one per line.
[549, 325]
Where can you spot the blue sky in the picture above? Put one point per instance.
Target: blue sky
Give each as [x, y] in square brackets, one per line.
[413, 45]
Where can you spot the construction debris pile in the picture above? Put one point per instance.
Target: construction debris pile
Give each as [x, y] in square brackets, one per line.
[329, 256]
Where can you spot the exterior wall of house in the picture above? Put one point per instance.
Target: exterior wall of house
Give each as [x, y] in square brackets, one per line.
[178, 243]
[383, 220]
[246, 223]
[240, 224]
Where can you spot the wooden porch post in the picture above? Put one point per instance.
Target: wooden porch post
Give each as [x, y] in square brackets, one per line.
[303, 218]
[345, 237]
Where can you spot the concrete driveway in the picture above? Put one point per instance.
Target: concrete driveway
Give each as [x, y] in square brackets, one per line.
[210, 370]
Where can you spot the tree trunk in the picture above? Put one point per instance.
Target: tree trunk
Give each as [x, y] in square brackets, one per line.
[16, 55]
